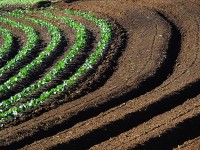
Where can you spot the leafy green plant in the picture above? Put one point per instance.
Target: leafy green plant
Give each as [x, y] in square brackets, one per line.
[105, 31]
[8, 40]
[32, 38]
[80, 42]
[24, 72]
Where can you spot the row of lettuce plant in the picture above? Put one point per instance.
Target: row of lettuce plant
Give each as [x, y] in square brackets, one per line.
[32, 39]
[105, 31]
[8, 41]
[80, 41]
[24, 72]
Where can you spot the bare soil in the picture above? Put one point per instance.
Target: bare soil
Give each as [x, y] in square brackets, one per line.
[144, 93]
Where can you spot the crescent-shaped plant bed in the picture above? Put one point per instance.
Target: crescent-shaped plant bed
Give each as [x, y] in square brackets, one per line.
[105, 32]
[89, 74]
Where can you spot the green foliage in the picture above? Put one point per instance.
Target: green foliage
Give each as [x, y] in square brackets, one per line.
[32, 38]
[105, 31]
[8, 40]
[80, 42]
[24, 72]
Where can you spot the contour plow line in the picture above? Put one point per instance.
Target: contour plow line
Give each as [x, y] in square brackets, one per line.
[34, 65]
[155, 55]
[179, 94]
[106, 35]
[86, 66]
[32, 39]
[52, 74]
[158, 129]
[130, 138]
[138, 98]
[89, 61]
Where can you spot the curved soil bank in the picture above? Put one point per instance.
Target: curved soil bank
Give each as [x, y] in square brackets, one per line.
[150, 96]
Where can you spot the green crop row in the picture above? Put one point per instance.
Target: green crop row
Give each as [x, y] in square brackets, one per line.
[32, 39]
[24, 72]
[80, 42]
[105, 31]
[8, 41]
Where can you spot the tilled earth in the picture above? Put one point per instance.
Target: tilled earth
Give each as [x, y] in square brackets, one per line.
[144, 94]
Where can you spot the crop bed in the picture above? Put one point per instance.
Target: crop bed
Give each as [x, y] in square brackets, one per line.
[101, 75]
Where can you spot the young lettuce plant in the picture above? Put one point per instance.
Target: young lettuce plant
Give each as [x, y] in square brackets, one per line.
[32, 38]
[8, 41]
[105, 31]
[79, 44]
[24, 72]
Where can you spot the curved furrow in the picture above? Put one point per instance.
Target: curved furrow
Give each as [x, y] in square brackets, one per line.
[95, 31]
[35, 64]
[43, 42]
[182, 94]
[186, 60]
[80, 52]
[190, 87]
[160, 128]
[105, 38]
[150, 130]
[32, 39]
[55, 40]
[19, 41]
[80, 42]
[195, 85]
[192, 37]
[74, 48]
[141, 100]
[157, 54]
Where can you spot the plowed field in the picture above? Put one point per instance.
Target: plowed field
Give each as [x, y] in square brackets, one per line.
[101, 74]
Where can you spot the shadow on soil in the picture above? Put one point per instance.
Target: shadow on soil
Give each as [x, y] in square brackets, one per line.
[115, 128]
[82, 115]
[132, 120]
[12, 52]
[184, 131]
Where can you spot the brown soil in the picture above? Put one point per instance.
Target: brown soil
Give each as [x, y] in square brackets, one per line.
[143, 94]
[191, 144]
[20, 39]
[44, 39]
